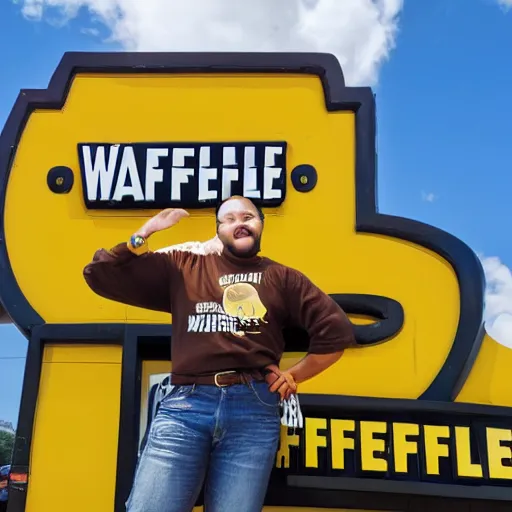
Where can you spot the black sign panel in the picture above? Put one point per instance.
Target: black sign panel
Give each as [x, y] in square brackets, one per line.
[351, 445]
[186, 175]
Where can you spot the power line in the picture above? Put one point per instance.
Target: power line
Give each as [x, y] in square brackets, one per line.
[13, 357]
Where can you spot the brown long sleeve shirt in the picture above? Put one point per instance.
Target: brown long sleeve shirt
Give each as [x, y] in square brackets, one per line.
[228, 313]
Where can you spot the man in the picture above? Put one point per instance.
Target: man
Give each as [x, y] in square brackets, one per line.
[221, 421]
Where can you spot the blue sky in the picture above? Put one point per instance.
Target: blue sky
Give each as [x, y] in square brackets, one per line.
[444, 120]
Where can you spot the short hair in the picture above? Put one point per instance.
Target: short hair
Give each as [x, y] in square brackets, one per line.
[258, 209]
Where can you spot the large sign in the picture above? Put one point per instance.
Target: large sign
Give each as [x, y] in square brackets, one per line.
[423, 407]
[454, 450]
[185, 175]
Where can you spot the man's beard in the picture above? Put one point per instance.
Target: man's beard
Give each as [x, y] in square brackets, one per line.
[255, 249]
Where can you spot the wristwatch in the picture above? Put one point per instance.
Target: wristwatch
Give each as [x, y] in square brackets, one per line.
[137, 244]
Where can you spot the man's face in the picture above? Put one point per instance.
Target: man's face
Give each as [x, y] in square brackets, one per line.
[240, 227]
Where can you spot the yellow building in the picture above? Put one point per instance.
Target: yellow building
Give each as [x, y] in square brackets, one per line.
[418, 418]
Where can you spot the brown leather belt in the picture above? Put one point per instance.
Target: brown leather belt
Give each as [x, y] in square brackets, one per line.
[220, 379]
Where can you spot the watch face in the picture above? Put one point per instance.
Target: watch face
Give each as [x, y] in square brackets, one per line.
[137, 241]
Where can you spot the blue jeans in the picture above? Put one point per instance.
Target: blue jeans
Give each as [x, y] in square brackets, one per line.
[226, 438]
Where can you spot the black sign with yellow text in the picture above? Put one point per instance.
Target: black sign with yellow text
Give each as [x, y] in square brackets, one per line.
[458, 451]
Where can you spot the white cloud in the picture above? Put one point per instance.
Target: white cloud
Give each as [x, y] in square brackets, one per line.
[498, 300]
[90, 32]
[361, 33]
[430, 197]
[507, 4]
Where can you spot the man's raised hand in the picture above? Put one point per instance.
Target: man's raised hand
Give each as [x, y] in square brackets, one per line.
[163, 220]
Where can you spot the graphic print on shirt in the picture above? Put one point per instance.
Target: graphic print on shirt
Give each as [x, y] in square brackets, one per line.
[241, 312]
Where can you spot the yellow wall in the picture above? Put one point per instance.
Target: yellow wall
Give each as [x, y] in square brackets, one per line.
[74, 447]
[489, 381]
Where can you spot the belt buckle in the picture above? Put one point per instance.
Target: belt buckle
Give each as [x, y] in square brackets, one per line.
[219, 374]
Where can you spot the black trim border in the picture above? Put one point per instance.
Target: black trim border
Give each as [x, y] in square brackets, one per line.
[388, 487]
[389, 312]
[338, 97]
